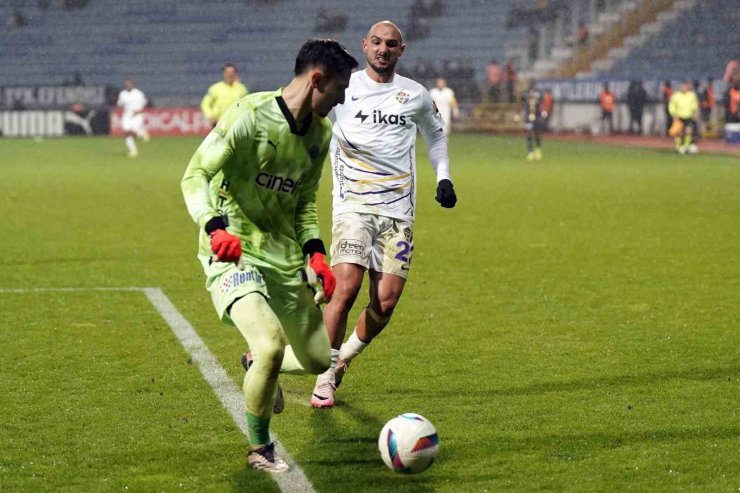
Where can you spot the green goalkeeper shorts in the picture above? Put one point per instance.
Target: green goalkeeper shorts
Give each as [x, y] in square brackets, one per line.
[287, 293]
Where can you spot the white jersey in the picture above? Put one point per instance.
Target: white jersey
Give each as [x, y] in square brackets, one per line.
[132, 102]
[444, 99]
[373, 145]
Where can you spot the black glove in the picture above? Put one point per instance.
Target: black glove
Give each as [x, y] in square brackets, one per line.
[446, 194]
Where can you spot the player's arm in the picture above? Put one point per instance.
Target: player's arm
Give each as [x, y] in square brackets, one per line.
[431, 126]
[307, 232]
[206, 104]
[209, 159]
[119, 103]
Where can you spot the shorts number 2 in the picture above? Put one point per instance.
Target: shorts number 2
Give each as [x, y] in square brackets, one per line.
[402, 255]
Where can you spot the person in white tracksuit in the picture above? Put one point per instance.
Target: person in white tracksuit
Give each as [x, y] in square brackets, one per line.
[444, 98]
[133, 102]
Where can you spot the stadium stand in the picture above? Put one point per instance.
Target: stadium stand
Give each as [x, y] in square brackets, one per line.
[698, 43]
[175, 50]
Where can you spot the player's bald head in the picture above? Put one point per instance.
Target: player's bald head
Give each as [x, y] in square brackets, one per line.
[382, 47]
[383, 29]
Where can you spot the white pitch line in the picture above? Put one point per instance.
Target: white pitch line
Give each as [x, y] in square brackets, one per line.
[229, 394]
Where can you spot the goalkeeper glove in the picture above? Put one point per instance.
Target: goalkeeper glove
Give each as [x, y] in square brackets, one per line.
[319, 276]
[446, 194]
[227, 247]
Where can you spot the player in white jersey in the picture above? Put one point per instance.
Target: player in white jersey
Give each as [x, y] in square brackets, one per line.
[374, 168]
[133, 102]
[444, 98]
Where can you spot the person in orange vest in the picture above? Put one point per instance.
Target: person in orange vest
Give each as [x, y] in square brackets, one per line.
[667, 92]
[732, 99]
[607, 101]
[547, 102]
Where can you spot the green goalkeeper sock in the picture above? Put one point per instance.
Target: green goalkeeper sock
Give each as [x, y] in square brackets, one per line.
[259, 429]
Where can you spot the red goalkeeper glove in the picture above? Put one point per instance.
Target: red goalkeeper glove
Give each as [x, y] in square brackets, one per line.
[227, 247]
[320, 276]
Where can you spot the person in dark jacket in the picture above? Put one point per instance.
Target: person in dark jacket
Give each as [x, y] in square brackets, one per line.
[636, 100]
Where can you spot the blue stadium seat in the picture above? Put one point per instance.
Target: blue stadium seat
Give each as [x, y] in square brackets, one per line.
[176, 48]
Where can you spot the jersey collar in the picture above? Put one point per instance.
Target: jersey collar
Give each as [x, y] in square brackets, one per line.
[291, 121]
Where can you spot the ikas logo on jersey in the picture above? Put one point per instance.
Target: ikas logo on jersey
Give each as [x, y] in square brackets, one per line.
[384, 118]
[402, 97]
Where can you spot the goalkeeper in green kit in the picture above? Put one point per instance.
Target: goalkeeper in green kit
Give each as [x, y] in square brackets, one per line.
[251, 188]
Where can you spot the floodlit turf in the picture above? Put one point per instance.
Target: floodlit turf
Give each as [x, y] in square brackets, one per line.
[572, 325]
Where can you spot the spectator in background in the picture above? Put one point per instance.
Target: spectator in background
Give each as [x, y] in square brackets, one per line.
[732, 102]
[707, 101]
[328, 22]
[444, 98]
[607, 102]
[223, 94]
[322, 20]
[731, 68]
[510, 76]
[636, 100]
[581, 34]
[427, 8]
[494, 77]
[547, 104]
[666, 92]
[420, 16]
[16, 20]
[43, 4]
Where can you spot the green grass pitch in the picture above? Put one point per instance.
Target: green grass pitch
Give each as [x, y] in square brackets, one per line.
[573, 325]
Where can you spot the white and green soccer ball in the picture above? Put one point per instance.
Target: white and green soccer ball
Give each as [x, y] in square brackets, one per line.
[408, 443]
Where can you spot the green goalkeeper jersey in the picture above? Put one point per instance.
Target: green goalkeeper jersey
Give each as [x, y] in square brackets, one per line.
[260, 169]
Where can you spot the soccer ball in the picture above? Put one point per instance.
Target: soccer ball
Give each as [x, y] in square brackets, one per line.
[408, 443]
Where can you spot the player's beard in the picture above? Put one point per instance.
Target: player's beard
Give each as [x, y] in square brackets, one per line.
[388, 69]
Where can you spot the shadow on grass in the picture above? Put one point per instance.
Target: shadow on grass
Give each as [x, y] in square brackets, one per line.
[578, 445]
[727, 373]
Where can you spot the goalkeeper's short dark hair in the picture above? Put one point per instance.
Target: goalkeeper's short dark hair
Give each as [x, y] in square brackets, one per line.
[327, 53]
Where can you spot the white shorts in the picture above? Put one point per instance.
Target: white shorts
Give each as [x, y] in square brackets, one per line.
[133, 123]
[378, 243]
